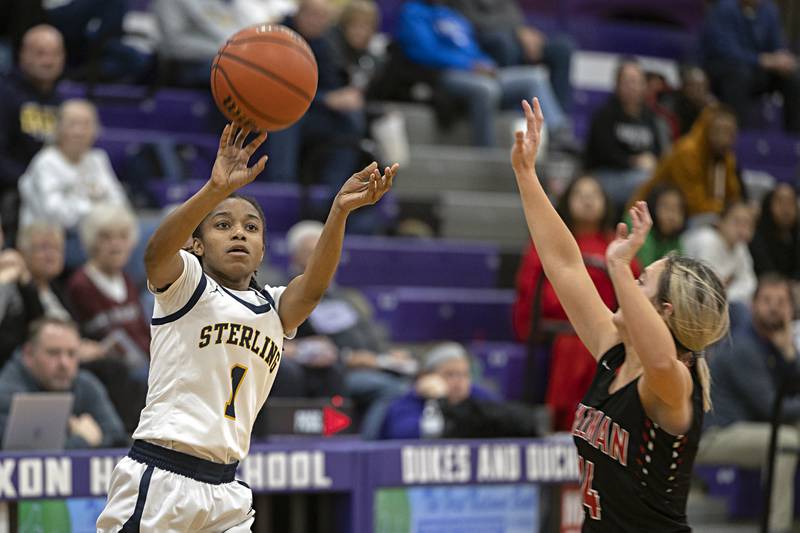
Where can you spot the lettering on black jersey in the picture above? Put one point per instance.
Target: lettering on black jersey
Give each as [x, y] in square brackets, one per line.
[601, 432]
[243, 336]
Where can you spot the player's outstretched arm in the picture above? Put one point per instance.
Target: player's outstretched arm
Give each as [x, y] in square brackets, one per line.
[230, 172]
[663, 373]
[560, 255]
[306, 290]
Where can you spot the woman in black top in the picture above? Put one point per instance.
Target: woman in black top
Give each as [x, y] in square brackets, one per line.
[638, 427]
[776, 242]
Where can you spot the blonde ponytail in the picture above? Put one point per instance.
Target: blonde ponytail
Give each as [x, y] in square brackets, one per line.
[704, 375]
[699, 315]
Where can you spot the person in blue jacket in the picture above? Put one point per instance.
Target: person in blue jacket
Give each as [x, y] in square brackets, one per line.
[745, 54]
[436, 36]
[445, 380]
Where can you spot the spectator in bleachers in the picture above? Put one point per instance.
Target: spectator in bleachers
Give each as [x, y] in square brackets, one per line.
[374, 370]
[351, 38]
[624, 141]
[19, 301]
[436, 36]
[49, 363]
[42, 246]
[445, 380]
[509, 39]
[192, 31]
[104, 298]
[692, 97]
[747, 373]
[776, 242]
[586, 210]
[28, 106]
[702, 165]
[328, 136]
[27, 14]
[745, 54]
[669, 222]
[723, 246]
[93, 35]
[65, 180]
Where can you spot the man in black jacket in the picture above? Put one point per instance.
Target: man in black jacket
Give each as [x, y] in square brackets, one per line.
[28, 107]
[335, 122]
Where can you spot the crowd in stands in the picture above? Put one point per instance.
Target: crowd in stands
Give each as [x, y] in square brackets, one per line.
[72, 317]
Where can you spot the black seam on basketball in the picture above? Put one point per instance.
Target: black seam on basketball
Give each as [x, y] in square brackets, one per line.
[269, 74]
[304, 50]
[244, 102]
[214, 67]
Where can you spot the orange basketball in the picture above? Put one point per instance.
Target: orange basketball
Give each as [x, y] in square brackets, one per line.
[264, 77]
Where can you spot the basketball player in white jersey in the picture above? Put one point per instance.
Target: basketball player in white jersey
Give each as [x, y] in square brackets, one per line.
[216, 347]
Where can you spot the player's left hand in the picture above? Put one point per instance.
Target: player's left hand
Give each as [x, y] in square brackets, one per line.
[626, 244]
[365, 187]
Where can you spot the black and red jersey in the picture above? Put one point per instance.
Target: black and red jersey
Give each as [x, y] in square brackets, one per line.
[634, 475]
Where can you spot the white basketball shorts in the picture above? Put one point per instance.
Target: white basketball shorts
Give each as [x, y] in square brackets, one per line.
[148, 495]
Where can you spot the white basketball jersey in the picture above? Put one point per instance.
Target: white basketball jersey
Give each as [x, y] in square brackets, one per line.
[215, 353]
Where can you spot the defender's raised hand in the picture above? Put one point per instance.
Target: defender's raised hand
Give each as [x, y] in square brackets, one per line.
[526, 144]
[626, 244]
[365, 187]
[230, 170]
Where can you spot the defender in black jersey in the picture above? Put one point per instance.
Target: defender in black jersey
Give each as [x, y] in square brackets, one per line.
[638, 427]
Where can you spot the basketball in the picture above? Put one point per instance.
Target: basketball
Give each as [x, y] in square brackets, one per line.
[264, 77]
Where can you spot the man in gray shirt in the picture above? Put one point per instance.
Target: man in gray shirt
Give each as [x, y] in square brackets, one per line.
[49, 363]
[745, 376]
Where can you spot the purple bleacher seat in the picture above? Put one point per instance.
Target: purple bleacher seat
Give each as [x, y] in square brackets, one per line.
[739, 487]
[504, 365]
[415, 314]
[130, 106]
[123, 143]
[373, 261]
[640, 39]
[282, 202]
[768, 148]
[773, 152]
[139, 5]
[688, 14]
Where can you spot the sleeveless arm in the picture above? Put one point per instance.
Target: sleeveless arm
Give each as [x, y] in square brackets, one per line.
[559, 253]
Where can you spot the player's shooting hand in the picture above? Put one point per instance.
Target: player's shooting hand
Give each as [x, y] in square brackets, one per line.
[624, 247]
[526, 144]
[85, 427]
[365, 187]
[230, 170]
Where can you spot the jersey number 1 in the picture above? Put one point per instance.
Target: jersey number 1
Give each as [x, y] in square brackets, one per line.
[591, 499]
[237, 375]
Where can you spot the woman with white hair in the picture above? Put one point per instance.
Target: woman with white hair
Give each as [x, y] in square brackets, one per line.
[105, 299]
[105, 303]
[64, 181]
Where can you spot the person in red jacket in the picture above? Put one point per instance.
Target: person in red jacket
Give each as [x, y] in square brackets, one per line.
[585, 209]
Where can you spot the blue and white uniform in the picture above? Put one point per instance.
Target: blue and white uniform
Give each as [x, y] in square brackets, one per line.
[215, 353]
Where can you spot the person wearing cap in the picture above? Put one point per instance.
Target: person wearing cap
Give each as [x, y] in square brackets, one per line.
[446, 378]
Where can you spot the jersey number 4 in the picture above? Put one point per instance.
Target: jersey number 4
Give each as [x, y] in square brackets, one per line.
[237, 375]
[591, 499]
